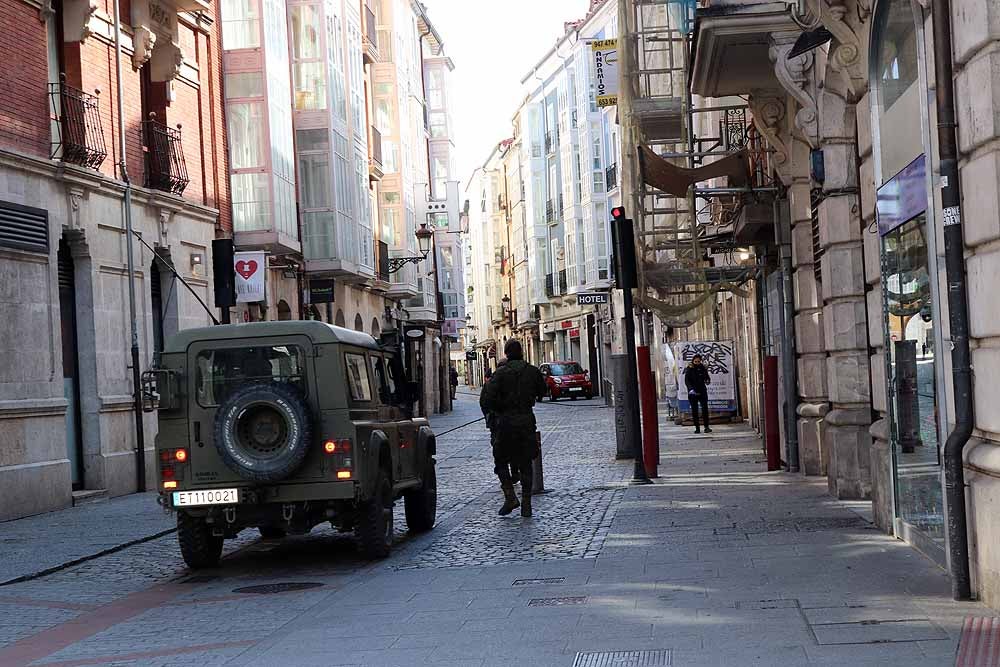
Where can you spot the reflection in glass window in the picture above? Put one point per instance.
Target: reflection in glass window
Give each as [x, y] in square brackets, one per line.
[898, 100]
[251, 202]
[305, 32]
[245, 124]
[244, 84]
[309, 81]
[240, 24]
[314, 180]
[914, 405]
[357, 377]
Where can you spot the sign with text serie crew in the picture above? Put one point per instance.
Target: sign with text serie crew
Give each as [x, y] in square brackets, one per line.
[718, 358]
[605, 67]
[250, 268]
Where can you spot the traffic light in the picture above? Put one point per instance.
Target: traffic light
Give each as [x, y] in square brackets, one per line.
[623, 242]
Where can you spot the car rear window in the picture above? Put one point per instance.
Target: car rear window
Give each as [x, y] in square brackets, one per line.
[566, 369]
[220, 371]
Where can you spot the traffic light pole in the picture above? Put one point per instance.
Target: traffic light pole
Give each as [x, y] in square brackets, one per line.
[624, 246]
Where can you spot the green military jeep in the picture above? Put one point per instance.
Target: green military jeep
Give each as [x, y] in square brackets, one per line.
[283, 426]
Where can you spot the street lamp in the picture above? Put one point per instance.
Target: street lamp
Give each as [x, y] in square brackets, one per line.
[424, 239]
[505, 304]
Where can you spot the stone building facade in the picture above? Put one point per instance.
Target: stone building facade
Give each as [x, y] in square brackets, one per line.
[66, 395]
[851, 125]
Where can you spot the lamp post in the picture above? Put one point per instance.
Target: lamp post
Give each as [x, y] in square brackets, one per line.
[424, 239]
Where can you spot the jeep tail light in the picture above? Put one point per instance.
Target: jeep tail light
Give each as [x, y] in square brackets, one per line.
[330, 447]
[172, 464]
[181, 455]
[343, 474]
[339, 450]
[170, 485]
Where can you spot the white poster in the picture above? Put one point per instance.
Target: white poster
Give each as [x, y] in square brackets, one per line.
[250, 268]
[605, 64]
[718, 358]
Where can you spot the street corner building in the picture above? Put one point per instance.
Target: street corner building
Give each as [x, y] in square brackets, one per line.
[67, 424]
[860, 235]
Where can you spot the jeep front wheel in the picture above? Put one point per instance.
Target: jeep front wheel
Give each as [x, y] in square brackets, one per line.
[375, 526]
[421, 503]
[199, 547]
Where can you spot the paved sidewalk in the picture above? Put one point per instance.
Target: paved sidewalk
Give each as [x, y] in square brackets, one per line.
[46, 542]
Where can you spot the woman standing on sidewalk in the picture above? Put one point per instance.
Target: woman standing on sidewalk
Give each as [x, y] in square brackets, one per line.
[696, 379]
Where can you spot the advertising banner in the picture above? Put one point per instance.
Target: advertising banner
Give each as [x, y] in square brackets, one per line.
[605, 67]
[718, 358]
[250, 268]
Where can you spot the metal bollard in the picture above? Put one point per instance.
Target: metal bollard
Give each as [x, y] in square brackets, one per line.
[538, 481]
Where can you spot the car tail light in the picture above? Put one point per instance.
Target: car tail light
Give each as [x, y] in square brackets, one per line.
[339, 450]
[172, 465]
[343, 474]
[181, 455]
[170, 485]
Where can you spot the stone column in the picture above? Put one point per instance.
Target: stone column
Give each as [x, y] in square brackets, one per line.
[844, 307]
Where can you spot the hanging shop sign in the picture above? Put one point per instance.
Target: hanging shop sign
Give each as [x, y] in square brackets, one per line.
[903, 197]
[250, 268]
[591, 298]
[470, 355]
[719, 360]
[321, 291]
[605, 68]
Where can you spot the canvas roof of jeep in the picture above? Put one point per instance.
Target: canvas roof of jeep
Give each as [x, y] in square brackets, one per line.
[318, 332]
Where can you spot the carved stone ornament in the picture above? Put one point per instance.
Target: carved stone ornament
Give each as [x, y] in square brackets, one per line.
[797, 78]
[164, 218]
[76, 196]
[77, 15]
[768, 113]
[166, 62]
[143, 40]
[46, 10]
[846, 55]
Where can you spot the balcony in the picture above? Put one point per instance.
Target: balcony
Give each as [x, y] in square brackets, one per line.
[380, 282]
[611, 177]
[550, 212]
[562, 282]
[165, 167]
[370, 38]
[732, 55]
[551, 142]
[550, 288]
[81, 138]
[375, 170]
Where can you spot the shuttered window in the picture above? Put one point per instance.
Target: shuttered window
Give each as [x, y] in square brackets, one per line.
[815, 200]
[24, 228]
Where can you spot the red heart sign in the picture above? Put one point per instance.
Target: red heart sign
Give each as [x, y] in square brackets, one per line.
[246, 268]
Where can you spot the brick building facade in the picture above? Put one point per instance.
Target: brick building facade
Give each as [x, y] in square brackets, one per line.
[66, 420]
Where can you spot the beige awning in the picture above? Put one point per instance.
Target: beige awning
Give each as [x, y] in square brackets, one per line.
[674, 180]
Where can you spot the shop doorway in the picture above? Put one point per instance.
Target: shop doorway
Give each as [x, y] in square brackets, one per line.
[71, 362]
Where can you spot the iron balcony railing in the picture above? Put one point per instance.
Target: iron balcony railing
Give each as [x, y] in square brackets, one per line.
[165, 167]
[80, 137]
[562, 281]
[376, 147]
[611, 176]
[550, 211]
[550, 288]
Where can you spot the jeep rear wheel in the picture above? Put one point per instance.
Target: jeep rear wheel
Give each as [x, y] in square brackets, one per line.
[421, 503]
[263, 431]
[375, 525]
[199, 547]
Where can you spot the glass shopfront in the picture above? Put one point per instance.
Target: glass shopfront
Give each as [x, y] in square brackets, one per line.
[909, 289]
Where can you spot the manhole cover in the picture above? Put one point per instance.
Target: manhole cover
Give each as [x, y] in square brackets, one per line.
[200, 579]
[658, 658]
[556, 602]
[270, 589]
[536, 582]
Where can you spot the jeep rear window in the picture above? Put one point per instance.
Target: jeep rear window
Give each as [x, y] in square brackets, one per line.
[357, 377]
[219, 372]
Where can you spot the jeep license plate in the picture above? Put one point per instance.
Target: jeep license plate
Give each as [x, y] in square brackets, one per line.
[208, 497]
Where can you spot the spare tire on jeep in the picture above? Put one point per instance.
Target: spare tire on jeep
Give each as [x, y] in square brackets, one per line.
[263, 431]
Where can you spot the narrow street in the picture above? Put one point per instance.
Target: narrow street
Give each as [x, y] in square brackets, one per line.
[718, 563]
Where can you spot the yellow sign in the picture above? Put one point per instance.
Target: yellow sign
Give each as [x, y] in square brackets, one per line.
[605, 77]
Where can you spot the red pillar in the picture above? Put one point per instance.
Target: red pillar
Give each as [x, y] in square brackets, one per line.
[772, 439]
[650, 420]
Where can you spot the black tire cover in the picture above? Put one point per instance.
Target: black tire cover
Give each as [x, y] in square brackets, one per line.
[263, 431]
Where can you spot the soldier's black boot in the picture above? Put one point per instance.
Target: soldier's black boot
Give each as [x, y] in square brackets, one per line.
[510, 502]
[527, 484]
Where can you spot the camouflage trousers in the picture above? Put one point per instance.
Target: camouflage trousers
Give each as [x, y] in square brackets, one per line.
[513, 452]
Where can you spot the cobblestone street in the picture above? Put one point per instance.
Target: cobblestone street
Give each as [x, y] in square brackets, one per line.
[706, 567]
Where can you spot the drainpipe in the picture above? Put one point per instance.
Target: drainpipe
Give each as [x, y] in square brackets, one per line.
[958, 305]
[140, 439]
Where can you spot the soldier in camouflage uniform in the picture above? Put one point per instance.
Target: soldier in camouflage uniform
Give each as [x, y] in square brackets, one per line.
[509, 397]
